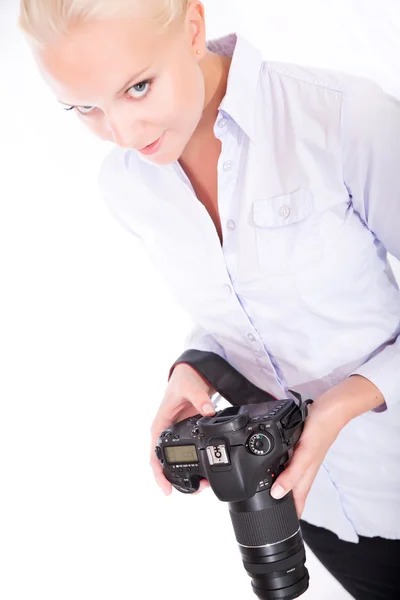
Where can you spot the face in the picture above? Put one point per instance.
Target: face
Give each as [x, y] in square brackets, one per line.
[130, 82]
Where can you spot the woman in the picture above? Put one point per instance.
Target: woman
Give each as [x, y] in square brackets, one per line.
[267, 195]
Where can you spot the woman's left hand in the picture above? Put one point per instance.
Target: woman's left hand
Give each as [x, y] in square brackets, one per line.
[326, 418]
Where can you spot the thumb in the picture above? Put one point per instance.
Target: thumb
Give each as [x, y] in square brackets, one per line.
[287, 480]
[201, 401]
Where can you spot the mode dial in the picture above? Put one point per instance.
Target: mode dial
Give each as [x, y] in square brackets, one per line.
[260, 443]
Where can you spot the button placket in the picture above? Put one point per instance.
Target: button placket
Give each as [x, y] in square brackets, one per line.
[226, 179]
[255, 347]
[226, 186]
[265, 363]
[228, 165]
[228, 290]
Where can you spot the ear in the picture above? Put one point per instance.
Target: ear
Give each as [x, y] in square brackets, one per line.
[196, 28]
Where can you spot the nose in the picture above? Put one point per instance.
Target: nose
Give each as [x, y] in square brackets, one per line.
[124, 133]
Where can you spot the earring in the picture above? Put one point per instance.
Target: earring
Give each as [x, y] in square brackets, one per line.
[197, 51]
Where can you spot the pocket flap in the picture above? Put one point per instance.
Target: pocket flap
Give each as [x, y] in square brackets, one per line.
[283, 210]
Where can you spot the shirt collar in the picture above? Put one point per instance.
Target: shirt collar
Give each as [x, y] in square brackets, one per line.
[240, 99]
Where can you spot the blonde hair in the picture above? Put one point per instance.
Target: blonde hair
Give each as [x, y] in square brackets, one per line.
[43, 21]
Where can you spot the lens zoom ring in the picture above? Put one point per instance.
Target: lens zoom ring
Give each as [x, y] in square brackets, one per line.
[266, 526]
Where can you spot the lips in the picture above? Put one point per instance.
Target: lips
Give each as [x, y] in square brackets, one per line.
[149, 145]
[153, 147]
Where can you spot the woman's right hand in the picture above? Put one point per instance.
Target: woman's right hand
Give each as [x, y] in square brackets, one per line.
[187, 394]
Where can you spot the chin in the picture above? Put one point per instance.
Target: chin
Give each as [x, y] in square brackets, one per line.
[163, 160]
[167, 156]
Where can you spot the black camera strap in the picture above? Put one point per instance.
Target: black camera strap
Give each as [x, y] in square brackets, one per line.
[225, 379]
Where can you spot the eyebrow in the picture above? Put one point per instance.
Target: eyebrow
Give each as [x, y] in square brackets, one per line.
[123, 88]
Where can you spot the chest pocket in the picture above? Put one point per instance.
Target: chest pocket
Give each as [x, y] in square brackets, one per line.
[286, 232]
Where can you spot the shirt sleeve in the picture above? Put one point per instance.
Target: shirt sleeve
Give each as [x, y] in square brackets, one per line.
[371, 164]
[200, 339]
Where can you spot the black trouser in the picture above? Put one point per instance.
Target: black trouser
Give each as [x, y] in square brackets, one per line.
[369, 570]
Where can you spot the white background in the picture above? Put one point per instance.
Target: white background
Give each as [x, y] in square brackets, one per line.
[88, 333]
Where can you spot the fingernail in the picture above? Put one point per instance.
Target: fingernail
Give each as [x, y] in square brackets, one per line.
[208, 409]
[277, 492]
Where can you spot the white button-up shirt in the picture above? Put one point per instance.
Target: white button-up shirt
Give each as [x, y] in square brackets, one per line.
[300, 295]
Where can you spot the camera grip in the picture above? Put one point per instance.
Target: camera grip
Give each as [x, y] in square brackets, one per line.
[262, 520]
[186, 485]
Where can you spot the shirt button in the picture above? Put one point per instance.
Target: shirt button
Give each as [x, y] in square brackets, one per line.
[222, 122]
[228, 290]
[284, 211]
[228, 165]
[231, 225]
[251, 337]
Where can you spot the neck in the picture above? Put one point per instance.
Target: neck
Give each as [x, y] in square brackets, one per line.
[215, 71]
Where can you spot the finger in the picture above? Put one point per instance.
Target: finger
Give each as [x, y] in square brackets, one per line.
[161, 421]
[154, 462]
[187, 411]
[204, 484]
[172, 408]
[301, 461]
[201, 401]
[161, 480]
[302, 489]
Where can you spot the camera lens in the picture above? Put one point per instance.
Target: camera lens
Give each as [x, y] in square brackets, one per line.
[271, 545]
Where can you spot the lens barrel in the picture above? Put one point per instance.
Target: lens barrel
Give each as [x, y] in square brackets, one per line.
[270, 541]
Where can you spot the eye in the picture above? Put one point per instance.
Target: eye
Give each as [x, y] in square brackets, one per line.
[83, 110]
[140, 90]
[137, 91]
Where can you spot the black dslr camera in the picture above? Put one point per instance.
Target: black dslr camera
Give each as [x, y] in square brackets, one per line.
[241, 450]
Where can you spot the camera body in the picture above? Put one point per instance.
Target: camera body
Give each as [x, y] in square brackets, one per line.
[240, 450]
